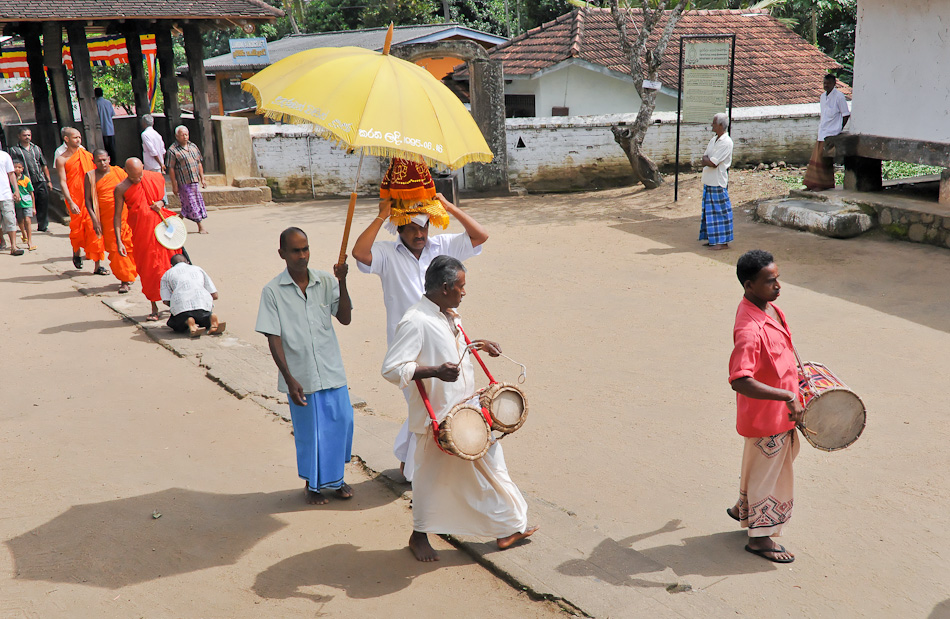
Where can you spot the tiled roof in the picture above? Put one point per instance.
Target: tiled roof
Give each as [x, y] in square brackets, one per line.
[368, 38]
[45, 10]
[774, 66]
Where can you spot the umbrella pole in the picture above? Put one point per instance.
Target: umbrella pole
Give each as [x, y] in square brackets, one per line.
[349, 212]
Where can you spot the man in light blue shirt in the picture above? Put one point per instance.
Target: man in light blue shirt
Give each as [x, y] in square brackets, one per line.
[106, 112]
[295, 314]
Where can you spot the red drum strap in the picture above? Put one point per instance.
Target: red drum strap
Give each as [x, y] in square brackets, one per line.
[435, 424]
[491, 379]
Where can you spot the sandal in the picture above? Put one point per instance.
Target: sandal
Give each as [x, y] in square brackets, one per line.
[101, 271]
[32, 247]
[77, 261]
[765, 552]
[124, 287]
[16, 252]
[152, 318]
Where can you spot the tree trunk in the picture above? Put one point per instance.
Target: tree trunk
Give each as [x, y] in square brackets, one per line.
[644, 170]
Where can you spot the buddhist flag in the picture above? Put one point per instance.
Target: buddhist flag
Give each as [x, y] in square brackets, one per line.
[104, 51]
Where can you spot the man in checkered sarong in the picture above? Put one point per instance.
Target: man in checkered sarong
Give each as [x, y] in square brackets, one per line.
[716, 222]
[186, 171]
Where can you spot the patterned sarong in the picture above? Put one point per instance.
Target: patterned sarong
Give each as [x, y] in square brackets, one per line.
[716, 221]
[821, 170]
[323, 435]
[192, 204]
[766, 486]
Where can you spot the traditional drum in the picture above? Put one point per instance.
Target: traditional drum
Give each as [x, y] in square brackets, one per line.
[507, 405]
[834, 415]
[464, 432]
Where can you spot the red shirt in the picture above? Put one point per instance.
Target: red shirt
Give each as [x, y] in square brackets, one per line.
[763, 350]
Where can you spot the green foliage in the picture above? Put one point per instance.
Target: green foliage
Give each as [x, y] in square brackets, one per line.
[484, 15]
[400, 12]
[116, 85]
[537, 12]
[331, 15]
[899, 169]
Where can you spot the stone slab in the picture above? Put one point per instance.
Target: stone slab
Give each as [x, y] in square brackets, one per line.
[249, 181]
[823, 217]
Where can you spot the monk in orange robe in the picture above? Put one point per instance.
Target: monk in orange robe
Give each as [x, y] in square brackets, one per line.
[85, 230]
[144, 193]
[100, 199]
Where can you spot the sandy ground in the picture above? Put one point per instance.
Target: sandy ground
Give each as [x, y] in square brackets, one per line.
[624, 322]
[101, 428]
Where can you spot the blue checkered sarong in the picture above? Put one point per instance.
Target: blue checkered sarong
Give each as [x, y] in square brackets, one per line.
[716, 222]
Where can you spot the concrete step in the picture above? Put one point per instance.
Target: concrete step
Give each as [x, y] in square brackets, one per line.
[223, 197]
[249, 181]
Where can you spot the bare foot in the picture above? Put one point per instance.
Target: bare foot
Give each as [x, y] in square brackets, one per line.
[421, 549]
[201, 229]
[719, 247]
[219, 328]
[314, 498]
[766, 548]
[507, 542]
[345, 491]
[196, 331]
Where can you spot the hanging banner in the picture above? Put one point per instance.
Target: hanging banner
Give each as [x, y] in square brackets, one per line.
[104, 51]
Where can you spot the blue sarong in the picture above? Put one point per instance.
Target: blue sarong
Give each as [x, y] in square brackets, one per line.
[716, 222]
[323, 433]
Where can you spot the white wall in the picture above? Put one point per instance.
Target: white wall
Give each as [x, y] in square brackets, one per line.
[554, 154]
[544, 154]
[902, 70]
[584, 91]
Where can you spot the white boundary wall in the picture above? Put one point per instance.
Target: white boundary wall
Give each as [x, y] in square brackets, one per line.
[544, 154]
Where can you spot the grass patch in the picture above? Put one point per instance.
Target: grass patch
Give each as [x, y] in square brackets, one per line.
[899, 169]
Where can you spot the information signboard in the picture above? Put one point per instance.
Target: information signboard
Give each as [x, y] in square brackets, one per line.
[705, 93]
[249, 51]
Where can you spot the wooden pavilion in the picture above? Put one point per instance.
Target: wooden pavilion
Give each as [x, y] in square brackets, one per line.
[40, 23]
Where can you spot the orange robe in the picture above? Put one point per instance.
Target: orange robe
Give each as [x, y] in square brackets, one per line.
[151, 258]
[81, 233]
[123, 267]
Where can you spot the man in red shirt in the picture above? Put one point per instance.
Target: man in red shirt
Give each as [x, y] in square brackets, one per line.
[763, 373]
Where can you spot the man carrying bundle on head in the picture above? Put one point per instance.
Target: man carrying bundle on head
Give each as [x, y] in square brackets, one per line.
[408, 206]
[450, 495]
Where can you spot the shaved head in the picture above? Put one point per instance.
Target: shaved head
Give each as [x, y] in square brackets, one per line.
[135, 169]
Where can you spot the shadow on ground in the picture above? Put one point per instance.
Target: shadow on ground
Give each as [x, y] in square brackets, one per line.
[361, 574]
[617, 563]
[118, 543]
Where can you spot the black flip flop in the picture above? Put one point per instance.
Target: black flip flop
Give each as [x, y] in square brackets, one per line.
[101, 271]
[764, 552]
[16, 252]
[77, 262]
[731, 515]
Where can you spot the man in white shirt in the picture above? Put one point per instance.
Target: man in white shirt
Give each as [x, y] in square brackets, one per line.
[153, 146]
[834, 116]
[190, 295]
[716, 222]
[450, 495]
[401, 267]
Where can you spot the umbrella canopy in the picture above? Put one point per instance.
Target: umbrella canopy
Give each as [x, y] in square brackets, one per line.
[372, 102]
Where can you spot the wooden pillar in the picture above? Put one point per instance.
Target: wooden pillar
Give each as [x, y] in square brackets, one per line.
[53, 57]
[167, 79]
[44, 137]
[194, 52]
[82, 71]
[137, 68]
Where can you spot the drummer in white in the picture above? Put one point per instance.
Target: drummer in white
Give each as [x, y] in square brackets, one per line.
[401, 267]
[449, 495]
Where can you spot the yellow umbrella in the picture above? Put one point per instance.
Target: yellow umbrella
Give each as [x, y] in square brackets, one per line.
[371, 102]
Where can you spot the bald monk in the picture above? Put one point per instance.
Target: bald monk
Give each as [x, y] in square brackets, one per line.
[144, 193]
[71, 166]
[100, 199]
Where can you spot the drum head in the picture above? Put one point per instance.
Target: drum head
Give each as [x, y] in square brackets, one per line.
[468, 432]
[507, 407]
[834, 419]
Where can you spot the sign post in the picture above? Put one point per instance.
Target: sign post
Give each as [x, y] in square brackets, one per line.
[706, 70]
[249, 51]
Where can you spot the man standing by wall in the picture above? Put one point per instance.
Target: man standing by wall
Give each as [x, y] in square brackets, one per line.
[834, 116]
[295, 314]
[716, 223]
[186, 171]
[106, 112]
[153, 146]
[32, 157]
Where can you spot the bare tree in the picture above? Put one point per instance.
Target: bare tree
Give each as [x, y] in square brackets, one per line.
[644, 64]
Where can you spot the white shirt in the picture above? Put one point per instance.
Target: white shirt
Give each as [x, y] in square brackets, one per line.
[834, 107]
[153, 149]
[719, 152]
[59, 151]
[6, 166]
[403, 277]
[424, 337]
[187, 287]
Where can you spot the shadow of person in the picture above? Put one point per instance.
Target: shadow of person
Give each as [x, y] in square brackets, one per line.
[52, 296]
[360, 574]
[82, 327]
[615, 562]
[940, 611]
[117, 543]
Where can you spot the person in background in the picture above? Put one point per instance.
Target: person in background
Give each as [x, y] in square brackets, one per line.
[106, 113]
[153, 146]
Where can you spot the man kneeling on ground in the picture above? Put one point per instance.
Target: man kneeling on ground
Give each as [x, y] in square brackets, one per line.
[190, 293]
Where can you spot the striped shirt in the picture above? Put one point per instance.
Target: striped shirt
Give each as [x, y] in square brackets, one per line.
[185, 160]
